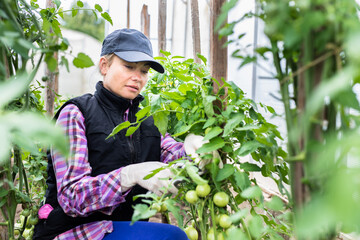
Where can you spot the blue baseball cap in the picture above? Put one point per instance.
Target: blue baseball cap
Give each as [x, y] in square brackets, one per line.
[130, 45]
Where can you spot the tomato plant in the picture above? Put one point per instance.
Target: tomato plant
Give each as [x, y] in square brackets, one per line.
[181, 102]
[30, 38]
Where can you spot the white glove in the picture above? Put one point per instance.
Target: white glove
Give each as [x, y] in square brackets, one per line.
[192, 143]
[159, 183]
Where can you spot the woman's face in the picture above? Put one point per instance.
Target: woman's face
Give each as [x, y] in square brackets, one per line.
[125, 79]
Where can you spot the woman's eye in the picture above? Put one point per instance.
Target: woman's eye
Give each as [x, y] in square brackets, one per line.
[129, 67]
[145, 71]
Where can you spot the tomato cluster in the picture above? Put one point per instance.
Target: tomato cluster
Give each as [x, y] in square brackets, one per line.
[28, 219]
[199, 199]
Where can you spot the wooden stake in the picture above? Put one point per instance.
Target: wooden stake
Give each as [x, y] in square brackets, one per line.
[145, 21]
[218, 53]
[195, 29]
[162, 26]
[52, 83]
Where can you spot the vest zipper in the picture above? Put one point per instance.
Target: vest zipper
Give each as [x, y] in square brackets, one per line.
[130, 138]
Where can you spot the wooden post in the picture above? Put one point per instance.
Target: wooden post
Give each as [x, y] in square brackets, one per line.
[218, 53]
[145, 21]
[128, 14]
[52, 83]
[195, 29]
[162, 26]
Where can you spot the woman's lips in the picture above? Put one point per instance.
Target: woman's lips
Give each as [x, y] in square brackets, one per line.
[134, 88]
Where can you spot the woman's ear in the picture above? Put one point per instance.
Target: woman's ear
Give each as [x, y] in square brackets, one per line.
[103, 65]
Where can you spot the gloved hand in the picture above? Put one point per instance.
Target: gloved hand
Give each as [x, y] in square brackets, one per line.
[134, 174]
[192, 143]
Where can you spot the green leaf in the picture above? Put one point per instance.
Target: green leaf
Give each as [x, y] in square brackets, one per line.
[131, 130]
[74, 12]
[153, 173]
[236, 217]
[235, 119]
[248, 147]
[256, 226]
[143, 112]
[3, 192]
[107, 17]
[173, 96]
[51, 63]
[182, 130]
[213, 145]
[80, 4]
[208, 105]
[98, 8]
[57, 3]
[61, 11]
[173, 207]
[13, 88]
[142, 211]
[118, 128]
[82, 61]
[192, 171]
[252, 192]
[348, 98]
[235, 233]
[236, 90]
[270, 109]
[3, 201]
[65, 62]
[242, 180]
[209, 122]
[161, 121]
[55, 25]
[225, 172]
[213, 133]
[37, 128]
[227, 6]
[275, 204]
[250, 167]
[203, 59]
[5, 150]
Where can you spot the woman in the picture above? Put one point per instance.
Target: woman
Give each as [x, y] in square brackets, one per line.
[90, 194]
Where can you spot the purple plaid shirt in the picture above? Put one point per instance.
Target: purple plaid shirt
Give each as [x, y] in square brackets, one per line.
[80, 194]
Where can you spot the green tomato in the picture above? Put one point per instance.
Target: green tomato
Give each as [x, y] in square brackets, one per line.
[33, 220]
[203, 190]
[224, 221]
[221, 199]
[156, 206]
[191, 233]
[163, 207]
[16, 232]
[25, 212]
[191, 196]
[211, 236]
[217, 219]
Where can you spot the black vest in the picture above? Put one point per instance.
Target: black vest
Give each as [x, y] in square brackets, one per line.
[102, 112]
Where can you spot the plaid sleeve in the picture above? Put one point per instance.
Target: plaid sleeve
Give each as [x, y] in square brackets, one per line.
[170, 149]
[78, 193]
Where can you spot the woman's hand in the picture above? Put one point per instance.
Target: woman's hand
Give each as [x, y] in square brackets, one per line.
[159, 183]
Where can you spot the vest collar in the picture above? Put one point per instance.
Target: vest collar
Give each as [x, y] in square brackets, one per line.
[112, 101]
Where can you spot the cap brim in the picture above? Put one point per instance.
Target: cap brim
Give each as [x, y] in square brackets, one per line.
[134, 56]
